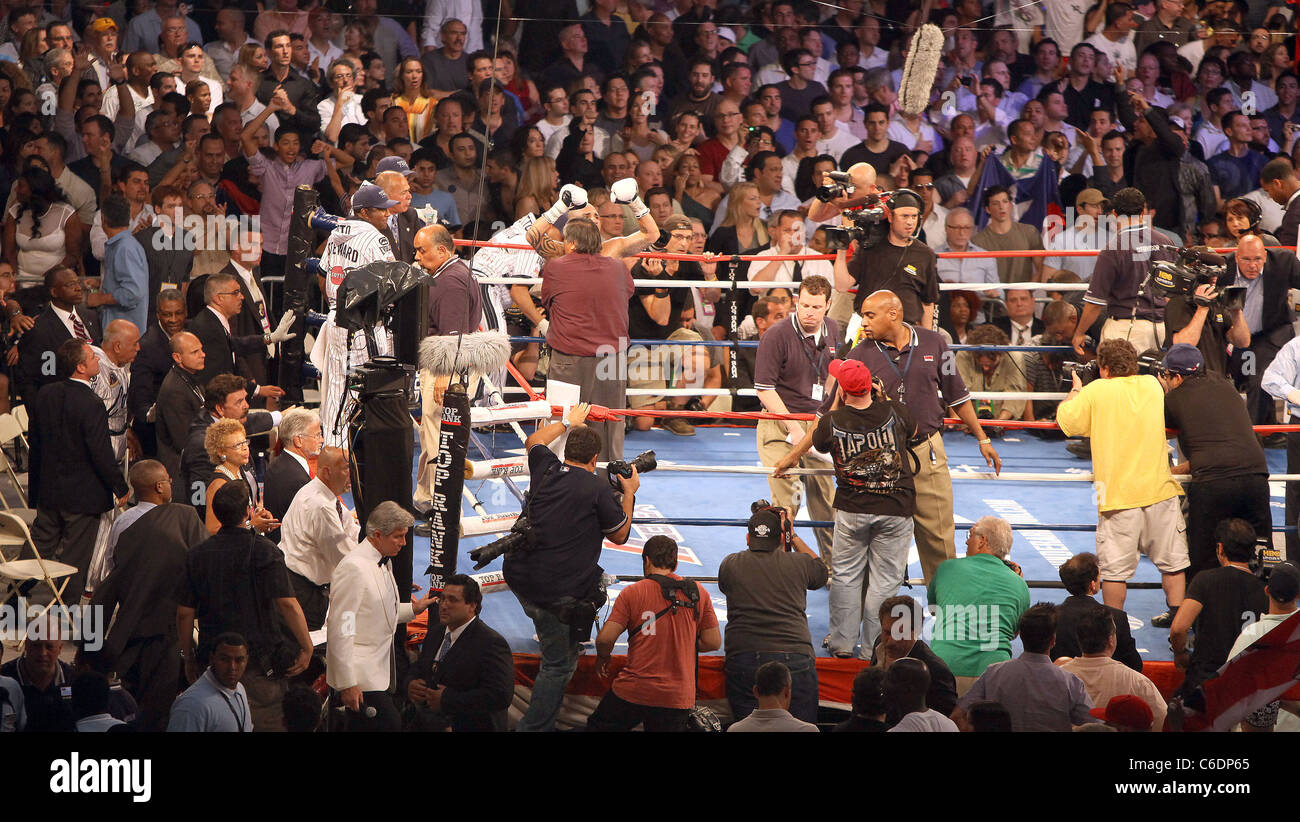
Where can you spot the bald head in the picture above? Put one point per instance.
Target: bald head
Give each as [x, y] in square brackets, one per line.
[332, 469]
[883, 301]
[863, 176]
[433, 247]
[181, 340]
[882, 315]
[187, 352]
[150, 483]
[1250, 256]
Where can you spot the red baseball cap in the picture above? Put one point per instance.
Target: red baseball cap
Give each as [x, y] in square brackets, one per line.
[852, 375]
[1127, 710]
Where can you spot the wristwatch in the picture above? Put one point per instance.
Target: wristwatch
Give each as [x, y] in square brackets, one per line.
[567, 423]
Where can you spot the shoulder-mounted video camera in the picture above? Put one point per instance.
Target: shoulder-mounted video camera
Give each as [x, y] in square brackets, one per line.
[1192, 269]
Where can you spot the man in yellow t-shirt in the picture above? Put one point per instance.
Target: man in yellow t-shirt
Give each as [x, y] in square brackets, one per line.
[1137, 498]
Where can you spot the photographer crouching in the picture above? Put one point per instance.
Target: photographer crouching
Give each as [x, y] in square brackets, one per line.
[1220, 451]
[570, 511]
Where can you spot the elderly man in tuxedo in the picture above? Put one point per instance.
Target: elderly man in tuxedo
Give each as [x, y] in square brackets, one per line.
[365, 609]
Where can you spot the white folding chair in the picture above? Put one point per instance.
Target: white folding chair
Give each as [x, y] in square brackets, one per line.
[15, 572]
[20, 414]
[11, 430]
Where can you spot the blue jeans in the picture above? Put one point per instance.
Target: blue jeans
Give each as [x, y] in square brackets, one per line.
[742, 667]
[559, 661]
[871, 546]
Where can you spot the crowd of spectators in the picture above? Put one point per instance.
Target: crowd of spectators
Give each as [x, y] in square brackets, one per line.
[149, 157]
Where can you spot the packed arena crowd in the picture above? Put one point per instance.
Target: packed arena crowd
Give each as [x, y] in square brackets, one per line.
[1095, 204]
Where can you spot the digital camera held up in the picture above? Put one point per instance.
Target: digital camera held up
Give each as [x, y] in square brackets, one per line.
[644, 463]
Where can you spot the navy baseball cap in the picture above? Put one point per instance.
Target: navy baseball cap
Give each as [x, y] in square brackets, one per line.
[371, 196]
[1183, 359]
[394, 163]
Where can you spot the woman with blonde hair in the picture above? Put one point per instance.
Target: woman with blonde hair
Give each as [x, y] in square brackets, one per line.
[742, 229]
[227, 447]
[413, 96]
[536, 190]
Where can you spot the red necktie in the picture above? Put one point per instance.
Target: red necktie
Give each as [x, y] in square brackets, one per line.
[78, 329]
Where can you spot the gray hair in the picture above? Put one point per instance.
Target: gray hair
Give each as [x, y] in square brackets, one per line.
[296, 421]
[53, 56]
[877, 78]
[215, 283]
[997, 532]
[388, 517]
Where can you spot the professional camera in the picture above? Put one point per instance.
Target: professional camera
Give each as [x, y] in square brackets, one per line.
[869, 227]
[1266, 556]
[839, 185]
[1087, 371]
[644, 463]
[787, 528]
[519, 537]
[1193, 269]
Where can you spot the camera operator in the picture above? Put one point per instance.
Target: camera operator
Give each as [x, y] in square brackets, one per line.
[1137, 498]
[1268, 276]
[571, 512]
[1206, 322]
[839, 196]
[902, 264]
[1220, 451]
[1119, 289]
[867, 436]
[767, 589]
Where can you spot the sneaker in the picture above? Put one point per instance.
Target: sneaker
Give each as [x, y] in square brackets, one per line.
[1276, 440]
[1163, 620]
[679, 426]
[1080, 448]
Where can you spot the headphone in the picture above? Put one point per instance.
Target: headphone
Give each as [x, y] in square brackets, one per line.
[1253, 212]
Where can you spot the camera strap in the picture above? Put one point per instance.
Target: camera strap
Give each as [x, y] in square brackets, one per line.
[668, 586]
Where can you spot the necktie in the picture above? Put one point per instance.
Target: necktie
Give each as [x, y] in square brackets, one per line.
[384, 560]
[1020, 336]
[798, 272]
[338, 506]
[444, 647]
[79, 330]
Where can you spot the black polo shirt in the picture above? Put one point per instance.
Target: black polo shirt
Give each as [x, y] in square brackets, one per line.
[1219, 444]
[1213, 342]
[572, 511]
[794, 364]
[639, 324]
[1118, 283]
[925, 367]
[910, 271]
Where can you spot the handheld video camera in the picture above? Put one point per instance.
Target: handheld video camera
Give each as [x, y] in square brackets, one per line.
[1193, 269]
[840, 184]
[868, 225]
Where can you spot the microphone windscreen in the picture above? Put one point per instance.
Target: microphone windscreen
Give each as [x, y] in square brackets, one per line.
[919, 70]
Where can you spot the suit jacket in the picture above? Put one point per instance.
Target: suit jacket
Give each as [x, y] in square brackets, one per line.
[248, 323]
[284, 477]
[1281, 273]
[1287, 231]
[478, 673]
[35, 370]
[220, 348]
[1067, 643]
[72, 464]
[195, 472]
[942, 696]
[148, 371]
[364, 594]
[180, 398]
[403, 240]
[1035, 327]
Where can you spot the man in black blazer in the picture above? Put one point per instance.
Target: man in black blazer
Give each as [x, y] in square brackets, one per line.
[1274, 273]
[179, 399]
[465, 677]
[391, 175]
[300, 433]
[1082, 578]
[222, 344]
[64, 318]
[151, 365]
[1020, 317]
[74, 477]
[1278, 180]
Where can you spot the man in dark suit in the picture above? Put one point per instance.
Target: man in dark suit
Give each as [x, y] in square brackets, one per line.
[151, 365]
[252, 319]
[225, 397]
[222, 344]
[1082, 578]
[900, 638]
[1268, 277]
[300, 432]
[1278, 180]
[1020, 324]
[64, 318]
[179, 399]
[391, 175]
[464, 679]
[74, 478]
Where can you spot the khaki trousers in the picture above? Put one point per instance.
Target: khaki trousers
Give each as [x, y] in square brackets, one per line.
[819, 491]
[430, 425]
[933, 520]
[1143, 334]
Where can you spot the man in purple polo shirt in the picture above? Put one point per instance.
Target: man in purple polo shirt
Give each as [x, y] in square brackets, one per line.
[915, 367]
[789, 375]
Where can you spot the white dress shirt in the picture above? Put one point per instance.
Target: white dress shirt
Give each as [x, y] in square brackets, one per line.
[313, 536]
[364, 613]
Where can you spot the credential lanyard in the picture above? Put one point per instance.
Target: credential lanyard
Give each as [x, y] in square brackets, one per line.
[902, 375]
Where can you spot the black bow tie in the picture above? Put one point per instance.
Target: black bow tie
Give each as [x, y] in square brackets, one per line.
[384, 560]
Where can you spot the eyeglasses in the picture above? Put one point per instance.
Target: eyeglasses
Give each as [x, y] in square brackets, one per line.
[680, 236]
[922, 186]
[229, 293]
[806, 65]
[960, 227]
[239, 444]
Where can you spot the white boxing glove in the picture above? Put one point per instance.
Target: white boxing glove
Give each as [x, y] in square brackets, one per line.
[571, 197]
[623, 192]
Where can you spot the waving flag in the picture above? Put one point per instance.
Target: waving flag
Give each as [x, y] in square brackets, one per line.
[1252, 679]
[1040, 189]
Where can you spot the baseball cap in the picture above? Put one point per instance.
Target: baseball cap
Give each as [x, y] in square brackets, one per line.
[1184, 359]
[764, 529]
[1126, 710]
[394, 163]
[1284, 582]
[371, 196]
[852, 375]
[725, 33]
[102, 24]
[1090, 196]
[1177, 122]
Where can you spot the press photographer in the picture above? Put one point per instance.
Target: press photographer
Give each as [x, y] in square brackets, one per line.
[556, 578]
[1199, 313]
[900, 263]
[1220, 451]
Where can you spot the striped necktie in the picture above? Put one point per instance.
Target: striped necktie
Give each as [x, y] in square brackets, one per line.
[79, 330]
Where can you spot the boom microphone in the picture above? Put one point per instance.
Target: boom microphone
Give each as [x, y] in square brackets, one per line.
[919, 70]
[482, 352]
